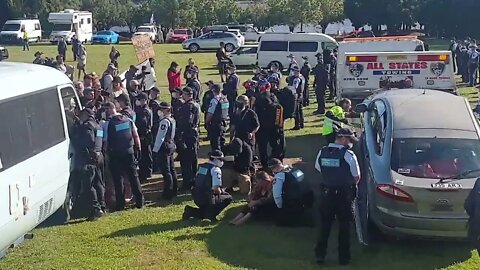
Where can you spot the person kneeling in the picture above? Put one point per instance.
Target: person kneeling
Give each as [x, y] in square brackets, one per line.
[208, 194]
[260, 204]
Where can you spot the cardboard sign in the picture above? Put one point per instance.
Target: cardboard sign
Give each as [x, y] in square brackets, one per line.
[143, 47]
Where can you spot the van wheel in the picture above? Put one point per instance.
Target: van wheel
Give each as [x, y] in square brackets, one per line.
[280, 67]
[194, 47]
[229, 47]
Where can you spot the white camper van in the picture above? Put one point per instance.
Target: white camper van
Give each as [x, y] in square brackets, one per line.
[275, 47]
[70, 22]
[12, 30]
[34, 147]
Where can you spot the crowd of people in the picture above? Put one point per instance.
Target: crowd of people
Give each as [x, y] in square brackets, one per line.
[466, 60]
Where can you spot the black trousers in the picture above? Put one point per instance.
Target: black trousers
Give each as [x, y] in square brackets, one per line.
[64, 55]
[335, 203]
[188, 161]
[74, 53]
[216, 135]
[306, 94]
[167, 168]
[125, 165]
[275, 141]
[299, 121]
[145, 164]
[291, 214]
[91, 178]
[320, 95]
[214, 207]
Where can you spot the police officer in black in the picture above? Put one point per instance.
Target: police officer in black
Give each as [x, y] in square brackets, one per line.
[176, 101]
[188, 121]
[208, 193]
[215, 119]
[124, 102]
[123, 146]
[320, 84]
[296, 83]
[144, 123]
[305, 71]
[164, 149]
[341, 174]
[245, 122]
[87, 142]
[230, 88]
[196, 87]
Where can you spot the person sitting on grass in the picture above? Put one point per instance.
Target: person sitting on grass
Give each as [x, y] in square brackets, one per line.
[260, 204]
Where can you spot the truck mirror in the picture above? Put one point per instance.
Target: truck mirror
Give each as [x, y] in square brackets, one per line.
[361, 108]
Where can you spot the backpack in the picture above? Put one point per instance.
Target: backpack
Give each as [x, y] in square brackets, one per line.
[287, 101]
[206, 101]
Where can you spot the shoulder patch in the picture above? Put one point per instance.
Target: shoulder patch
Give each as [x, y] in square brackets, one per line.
[163, 127]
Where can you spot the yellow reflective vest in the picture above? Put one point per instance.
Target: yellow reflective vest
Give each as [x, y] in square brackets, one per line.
[328, 123]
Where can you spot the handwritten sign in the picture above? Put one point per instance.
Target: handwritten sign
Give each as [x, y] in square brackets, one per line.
[143, 47]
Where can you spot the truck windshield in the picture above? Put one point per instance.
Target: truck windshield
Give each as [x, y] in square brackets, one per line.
[11, 27]
[62, 27]
[434, 157]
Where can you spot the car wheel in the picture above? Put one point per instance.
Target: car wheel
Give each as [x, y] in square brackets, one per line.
[109, 41]
[194, 47]
[280, 67]
[229, 47]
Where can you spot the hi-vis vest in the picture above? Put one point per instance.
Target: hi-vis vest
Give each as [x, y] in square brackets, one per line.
[328, 124]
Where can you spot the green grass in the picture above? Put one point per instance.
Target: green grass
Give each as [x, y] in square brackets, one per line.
[155, 238]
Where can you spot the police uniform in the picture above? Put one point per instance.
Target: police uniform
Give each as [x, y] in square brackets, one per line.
[339, 168]
[209, 203]
[334, 118]
[188, 120]
[144, 123]
[245, 122]
[218, 107]
[289, 195]
[297, 83]
[305, 71]
[230, 89]
[164, 148]
[119, 134]
[320, 84]
[195, 85]
[87, 142]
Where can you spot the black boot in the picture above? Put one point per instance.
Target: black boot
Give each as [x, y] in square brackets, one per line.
[96, 214]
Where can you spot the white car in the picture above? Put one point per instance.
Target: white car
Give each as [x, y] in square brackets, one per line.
[149, 30]
[237, 33]
[211, 41]
[245, 55]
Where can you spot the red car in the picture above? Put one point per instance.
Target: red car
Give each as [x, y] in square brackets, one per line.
[178, 36]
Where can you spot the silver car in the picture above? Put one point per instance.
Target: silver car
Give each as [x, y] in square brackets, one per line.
[421, 157]
[211, 41]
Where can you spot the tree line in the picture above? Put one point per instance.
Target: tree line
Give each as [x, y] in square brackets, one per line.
[438, 17]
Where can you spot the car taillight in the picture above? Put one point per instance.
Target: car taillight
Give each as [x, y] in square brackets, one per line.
[394, 193]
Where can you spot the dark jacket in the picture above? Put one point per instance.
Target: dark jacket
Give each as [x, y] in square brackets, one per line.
[472, 206]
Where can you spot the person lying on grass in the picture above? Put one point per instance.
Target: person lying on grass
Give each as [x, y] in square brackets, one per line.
[260, 203]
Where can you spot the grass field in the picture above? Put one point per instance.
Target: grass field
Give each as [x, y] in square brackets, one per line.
[156, 238]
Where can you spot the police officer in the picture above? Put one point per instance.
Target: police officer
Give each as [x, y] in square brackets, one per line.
[334, 118]
[320, 84]
[341, 174]
[88, 145]
[289, 193]
[196, 86]
[332, 74]
[215, 119]
[230, 88]
[305, 71]
[271, 130]
[245, 122]
[122, 144]
[164, 148]
[472, 207]
[188, 121]
[144, 123]
[124, 103]
[297, 83]
[208, 193]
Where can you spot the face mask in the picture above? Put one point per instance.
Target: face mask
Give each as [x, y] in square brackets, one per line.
[189, 76]
[175, 95]
[218, 163]
[138, 103]
[160, 114]
[104, 115]
[350, 145]
[240, 106]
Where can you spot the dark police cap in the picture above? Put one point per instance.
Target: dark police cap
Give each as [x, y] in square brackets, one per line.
[142, 96]
[346, 132]
[187, 90]
[273, 162]
[216, 88]
[88, 111]
[164, 105]
[155, 89]
[124, 98]
[216, 154]
[209, 83]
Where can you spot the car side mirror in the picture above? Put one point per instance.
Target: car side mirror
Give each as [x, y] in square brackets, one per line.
[361, 108]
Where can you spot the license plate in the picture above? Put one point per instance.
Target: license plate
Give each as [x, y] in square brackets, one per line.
[446, 186]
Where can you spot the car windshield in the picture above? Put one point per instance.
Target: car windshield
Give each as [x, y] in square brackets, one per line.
[435, 158]
[180, 32]
[104, 33]
[143, 29]
[62, 27]
[11, 27]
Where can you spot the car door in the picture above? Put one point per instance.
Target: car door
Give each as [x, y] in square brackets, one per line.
[210, 41]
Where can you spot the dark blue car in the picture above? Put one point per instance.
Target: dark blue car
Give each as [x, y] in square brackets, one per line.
[106, 37]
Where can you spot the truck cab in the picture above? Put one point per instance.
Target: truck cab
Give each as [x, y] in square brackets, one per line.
[68, 23]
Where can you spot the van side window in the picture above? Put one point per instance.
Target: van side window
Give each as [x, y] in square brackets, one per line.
[274, 46]
[71, 106]
[89, 21]
[303, 46]
[81, 21]
[34, 124]
[37, 26]
[378, 122]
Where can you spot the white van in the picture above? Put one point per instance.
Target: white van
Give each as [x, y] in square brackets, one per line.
[70, 22]
[34, 147]
[12, 30]
[275, 47]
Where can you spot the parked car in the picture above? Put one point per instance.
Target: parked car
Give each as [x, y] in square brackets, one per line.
[211, 41]
[245, 55]
[178, 36]
[421, 157]
[106, 37]
[3, 53]
[238, 34]
[149, 30]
